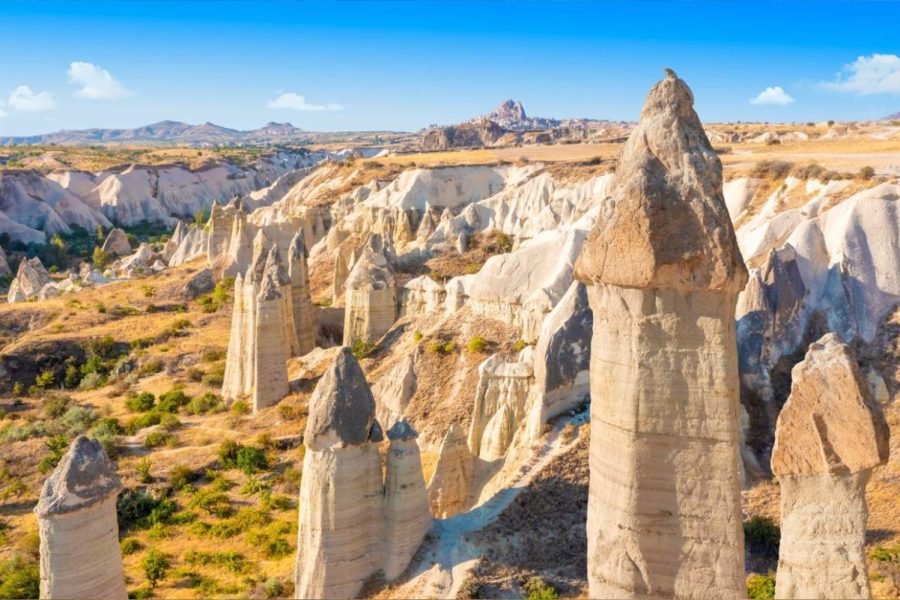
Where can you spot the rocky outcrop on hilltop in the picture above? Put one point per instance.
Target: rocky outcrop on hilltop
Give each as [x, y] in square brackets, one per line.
[117, 243]
[465, 135]
[29, 281]
[370, 297]
[830, 435]
[259, 345]
[76, 513]
[352, 522]
[663, 272]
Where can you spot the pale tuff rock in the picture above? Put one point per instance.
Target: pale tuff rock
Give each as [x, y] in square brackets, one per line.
[370, 298]
[259, 345]
[500, 402]
[76, 513]
[240, 246]
[30, 279]
[448, 490]
[343, 262]
[4, 265]
[178, 234]
[221, 225]
[351, 524]
[116, 243]
[301, 301]
[394, 391]
[669, 228]
[562, 359]
[664, 512]
[193, 245]
[407, 518]
[422, 295]
[829, 437]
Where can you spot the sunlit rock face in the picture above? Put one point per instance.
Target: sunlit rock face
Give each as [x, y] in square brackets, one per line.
[76, 513]
[830, 435]
[663, 271]
[370, 297]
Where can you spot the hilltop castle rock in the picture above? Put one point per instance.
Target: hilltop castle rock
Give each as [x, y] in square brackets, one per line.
[352, 522]
[829, 437]
[663, 272]
[76, 513]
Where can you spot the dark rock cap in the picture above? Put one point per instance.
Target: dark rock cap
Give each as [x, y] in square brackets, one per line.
[669, 227]
[402, 431]
[342, 409]
[84, 477]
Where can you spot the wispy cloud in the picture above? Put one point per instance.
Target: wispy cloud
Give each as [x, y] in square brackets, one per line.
[24, 99]
[96, 82]
[876, 74]
[292, 101]
[774, 95]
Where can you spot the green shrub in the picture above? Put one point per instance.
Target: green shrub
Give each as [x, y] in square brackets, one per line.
[476, 344]
[72, 377]
[538, 589]
[151, 367]
[155, 439]
[866, 173]
[141, 402]
[250, 460]
[156, 566]
[56, 406]
[143, 469]
[762, 536]
[214, 503]
[101, 258]
[215, 376]
[182, 476]
[138, 509]
[145, 420]
[19, 579]
[212, 354]
[761, 587]
[417, 336]
[130, 546]
[889, 554]
[361, 348]
[240, 407]
[503, 242]
[57, 445]
[520, 345]
[45, 379]
[208, 402]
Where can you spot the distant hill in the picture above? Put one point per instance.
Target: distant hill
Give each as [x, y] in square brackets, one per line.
[168, 132]
[893, 117]
[511, 115]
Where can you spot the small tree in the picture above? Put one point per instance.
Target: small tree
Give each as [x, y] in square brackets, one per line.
[101, 258]
[156, 566]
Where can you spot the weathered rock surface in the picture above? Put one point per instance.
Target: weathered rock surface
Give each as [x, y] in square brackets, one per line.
[664, 270]
[500, 403]
[4, 264]
[30, 279]
[301, 301]
[259, 346]
[351, 523]
[117, 243]
[448, 490]
[830, 435]
[370, 298]
[76, 513]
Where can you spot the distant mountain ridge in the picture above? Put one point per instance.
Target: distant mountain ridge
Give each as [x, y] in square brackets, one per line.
[174, 132]
[892, 117]
[511, 115]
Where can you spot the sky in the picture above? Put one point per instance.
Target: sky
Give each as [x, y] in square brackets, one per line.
[367, 65]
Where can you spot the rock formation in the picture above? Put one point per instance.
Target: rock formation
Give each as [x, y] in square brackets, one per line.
[448, 490]
[370, 298]
[407, 517]
[351, 524]
[663, 272]
[301, 301]
[76, 513]
[30, 279]
[4, 265]
[830, 435]
[500, 402]
[116, 243]
[258, 349]
[394, 391]
[221, 224]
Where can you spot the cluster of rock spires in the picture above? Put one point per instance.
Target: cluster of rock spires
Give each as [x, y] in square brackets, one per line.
[272, 320]
[353, 520]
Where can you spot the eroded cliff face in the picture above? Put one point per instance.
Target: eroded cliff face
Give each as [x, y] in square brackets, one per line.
[663, 272]
[76, 513]
[830, 435]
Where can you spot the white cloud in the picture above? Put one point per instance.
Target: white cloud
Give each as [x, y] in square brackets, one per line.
[292, 101]
[773, 95]
[876, 74]
[25, 99]
[96, 82]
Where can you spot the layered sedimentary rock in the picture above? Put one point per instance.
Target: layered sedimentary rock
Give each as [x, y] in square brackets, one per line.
[116, 243]
[301, 302]
[370, 298]
[76, 513]
[406, 514]
[30, 279]
[830, 435]
[448, 490]
[663, 271]
[259, 346]
[351, 525]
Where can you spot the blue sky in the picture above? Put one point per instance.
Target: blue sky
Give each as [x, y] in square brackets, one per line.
[404, 65]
